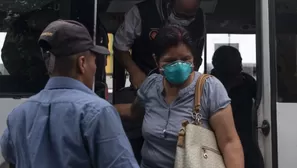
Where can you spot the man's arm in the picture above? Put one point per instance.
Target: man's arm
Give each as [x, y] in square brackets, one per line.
[123, 41]
[132, 111]
[7, 147]
[107, 143]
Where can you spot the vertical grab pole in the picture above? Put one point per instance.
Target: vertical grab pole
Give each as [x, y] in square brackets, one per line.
[205, 53]
[94, 33]
[95, 21]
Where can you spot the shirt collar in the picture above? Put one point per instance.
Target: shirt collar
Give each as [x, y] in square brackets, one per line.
[67, 83]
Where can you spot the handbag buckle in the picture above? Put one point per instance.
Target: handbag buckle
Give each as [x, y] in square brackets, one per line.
[197, 118]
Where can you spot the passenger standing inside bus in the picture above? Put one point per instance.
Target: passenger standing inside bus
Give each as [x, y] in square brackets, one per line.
[141, 25]
[167, 99]
[67, 124]
[241, 88]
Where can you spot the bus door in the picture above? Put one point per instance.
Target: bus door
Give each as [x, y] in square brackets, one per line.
[280, 69]
[237, 28]
[274, 46]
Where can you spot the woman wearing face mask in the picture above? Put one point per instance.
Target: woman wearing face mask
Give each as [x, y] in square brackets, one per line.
[165, 100]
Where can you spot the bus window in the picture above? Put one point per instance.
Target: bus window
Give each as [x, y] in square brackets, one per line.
[22, 67]
[286, 65]
[286, 53]
[21, 57]
[3, 70]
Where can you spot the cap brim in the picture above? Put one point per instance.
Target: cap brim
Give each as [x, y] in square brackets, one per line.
[100, 50]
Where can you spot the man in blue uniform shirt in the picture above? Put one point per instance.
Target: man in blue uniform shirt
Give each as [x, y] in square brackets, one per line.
[67, 124]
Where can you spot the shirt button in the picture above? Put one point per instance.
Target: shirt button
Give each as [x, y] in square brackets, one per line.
[164, 133]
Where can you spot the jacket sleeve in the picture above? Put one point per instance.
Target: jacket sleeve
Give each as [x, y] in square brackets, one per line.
[107, 143]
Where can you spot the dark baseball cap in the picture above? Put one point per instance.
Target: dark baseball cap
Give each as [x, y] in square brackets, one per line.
[68, 37]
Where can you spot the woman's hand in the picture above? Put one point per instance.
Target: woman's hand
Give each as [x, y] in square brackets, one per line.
[229, 143]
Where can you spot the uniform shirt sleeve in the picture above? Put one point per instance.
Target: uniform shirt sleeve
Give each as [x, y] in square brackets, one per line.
[128, 31]
[106, 140]
[7, 147]
[215, 97]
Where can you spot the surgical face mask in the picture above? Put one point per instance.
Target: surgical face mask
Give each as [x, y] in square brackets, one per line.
[177, 72]
[172, 19]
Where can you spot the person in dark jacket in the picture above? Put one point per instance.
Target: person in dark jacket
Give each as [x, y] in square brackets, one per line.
[241, 88]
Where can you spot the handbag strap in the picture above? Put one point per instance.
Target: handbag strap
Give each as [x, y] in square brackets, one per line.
[198, 94]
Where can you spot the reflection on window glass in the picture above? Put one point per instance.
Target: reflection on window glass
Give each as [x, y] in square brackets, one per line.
[286, 53]
[22, 67]
[245, 43]
[3, 70]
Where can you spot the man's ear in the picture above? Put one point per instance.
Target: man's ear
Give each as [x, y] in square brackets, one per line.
[81, 64]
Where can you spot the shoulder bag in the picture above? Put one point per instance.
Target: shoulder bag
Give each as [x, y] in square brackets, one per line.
[197, 146]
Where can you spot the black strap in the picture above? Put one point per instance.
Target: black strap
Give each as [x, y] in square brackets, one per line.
[166, 9]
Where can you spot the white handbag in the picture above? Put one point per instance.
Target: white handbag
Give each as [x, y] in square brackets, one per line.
[197, 146]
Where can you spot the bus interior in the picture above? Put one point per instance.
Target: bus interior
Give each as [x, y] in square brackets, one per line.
[24, 20]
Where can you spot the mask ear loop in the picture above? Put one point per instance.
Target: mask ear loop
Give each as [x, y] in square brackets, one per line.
[161, 70]
[192, 66]
[49, 60]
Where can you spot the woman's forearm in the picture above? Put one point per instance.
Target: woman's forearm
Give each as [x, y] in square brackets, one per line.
[233, 154]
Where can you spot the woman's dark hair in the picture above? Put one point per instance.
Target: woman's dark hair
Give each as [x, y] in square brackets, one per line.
[170, 36]
[226, 54]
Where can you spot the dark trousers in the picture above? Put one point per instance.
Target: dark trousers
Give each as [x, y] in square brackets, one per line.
[252, 155]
